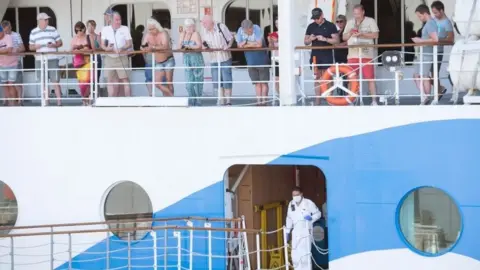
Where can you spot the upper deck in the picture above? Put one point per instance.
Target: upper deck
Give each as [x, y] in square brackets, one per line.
[297, 88]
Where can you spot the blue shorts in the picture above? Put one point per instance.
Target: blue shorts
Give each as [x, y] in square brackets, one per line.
[225, 73]
[148, 74]
[8, 75]
[165, 65]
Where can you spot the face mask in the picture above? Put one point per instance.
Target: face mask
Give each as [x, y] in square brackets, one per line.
[297, 199]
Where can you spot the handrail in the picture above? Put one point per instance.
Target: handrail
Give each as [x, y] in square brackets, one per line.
[155, 228]
[116, 221]
[394, 45]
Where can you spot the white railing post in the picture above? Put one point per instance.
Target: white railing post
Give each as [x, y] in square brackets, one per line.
[178, 235]
[360, 64]
[257, 240]
[51, 249]
[208, 225]
[12, 253]
[69, 251]
[302, 77]
[96, 76]
[47, 90]
[397, 87]
[244, 233]
[154, 239]
[219, 81]
[190, 224]
[422, 91]
[285, 247]
[153, 74]
[43, 87]
[92, 78]
[129, 251]
[272, 68]
[435, 74]
[107, 252]
[165, 248]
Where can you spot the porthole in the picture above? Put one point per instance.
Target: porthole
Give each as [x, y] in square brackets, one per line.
[8, 208]
[429, 221]
[125, 202]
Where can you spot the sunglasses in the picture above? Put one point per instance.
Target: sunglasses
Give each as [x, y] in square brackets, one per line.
[80, 29]
[340, 21]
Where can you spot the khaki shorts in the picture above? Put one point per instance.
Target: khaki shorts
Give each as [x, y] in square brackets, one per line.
[119, 67]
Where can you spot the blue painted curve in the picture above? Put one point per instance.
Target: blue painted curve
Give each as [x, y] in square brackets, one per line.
[367, 176]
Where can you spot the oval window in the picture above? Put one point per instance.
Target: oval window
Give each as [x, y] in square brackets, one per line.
[8, 208]
[126, 202]
[429, 221]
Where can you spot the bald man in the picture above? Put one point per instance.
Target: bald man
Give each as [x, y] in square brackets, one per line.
[218, 36]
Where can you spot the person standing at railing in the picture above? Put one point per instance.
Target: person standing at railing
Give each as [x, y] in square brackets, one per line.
[80, 44]
[18, 47]
[218, 36]
[429, 35]
[362, 30]
[273, 43]
[8, 63]
[249, 36]
[157, 38]
[341, 55]
[95, 40]
[45, 39]
[301, 215]
[117, 40]
[190, 39]
[320, 33]
[445, 34]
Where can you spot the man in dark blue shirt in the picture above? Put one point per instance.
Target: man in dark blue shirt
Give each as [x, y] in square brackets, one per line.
[321, 33]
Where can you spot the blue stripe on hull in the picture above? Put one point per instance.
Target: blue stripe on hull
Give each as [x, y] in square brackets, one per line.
[367, 176]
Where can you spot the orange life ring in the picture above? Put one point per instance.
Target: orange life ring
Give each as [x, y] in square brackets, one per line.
[353, 84]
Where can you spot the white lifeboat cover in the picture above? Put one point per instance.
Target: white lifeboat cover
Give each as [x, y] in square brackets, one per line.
[465, 75]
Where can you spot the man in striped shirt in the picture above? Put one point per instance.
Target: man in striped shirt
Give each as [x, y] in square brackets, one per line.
[217, 36]
[44, 39]
[17, 48]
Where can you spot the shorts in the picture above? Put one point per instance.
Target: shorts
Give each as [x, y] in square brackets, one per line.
[439, 64]
[8, 75]
[427, 66]
[19, 72]
[53, 71]
[323, 60]
[148, 74]
[368, 69]
[259, 74]
[116, 67]
[165, 65]
[225, 74]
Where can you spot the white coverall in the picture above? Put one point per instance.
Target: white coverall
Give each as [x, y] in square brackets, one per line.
[302, 231]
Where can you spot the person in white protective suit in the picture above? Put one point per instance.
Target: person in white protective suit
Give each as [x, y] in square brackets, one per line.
[301, 215]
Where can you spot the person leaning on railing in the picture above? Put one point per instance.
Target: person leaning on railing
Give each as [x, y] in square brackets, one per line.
[250, 36]
[18, 47]
[157, 38]
[218, 36]
[273, 43]
[44, 39]
[190, 39]
[8, 76]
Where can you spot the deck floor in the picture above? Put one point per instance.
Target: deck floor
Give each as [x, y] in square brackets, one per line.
[251, 101]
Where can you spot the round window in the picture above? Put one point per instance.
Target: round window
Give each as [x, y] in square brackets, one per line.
[429, 221]
[125, 203]
[8, 208]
